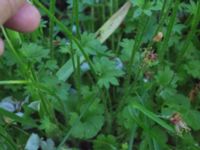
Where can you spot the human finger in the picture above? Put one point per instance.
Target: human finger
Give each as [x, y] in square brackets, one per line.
[27, 19]
[8, 8]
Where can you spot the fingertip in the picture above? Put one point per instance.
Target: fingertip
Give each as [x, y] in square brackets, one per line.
[8, 8]
[1, 46]
[27, 19]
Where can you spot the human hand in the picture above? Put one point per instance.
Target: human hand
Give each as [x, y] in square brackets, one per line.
[18, 15]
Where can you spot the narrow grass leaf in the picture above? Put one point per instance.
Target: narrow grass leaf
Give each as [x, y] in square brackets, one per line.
[152, 116]
[14, 82]
[7, 139]
[25, 121]
[67, 69]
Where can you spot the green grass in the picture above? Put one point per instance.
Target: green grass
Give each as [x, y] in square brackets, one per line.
[77, 91]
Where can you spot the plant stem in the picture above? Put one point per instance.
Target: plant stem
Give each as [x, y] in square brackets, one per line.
[163, 49]
[18, 58]
[163, 15]
[28, 74]
[51, 26]
[93, 18]
[190, 35]
[8, 82]
[137, 45]
[75, 17]
[131, 140]
[75, 20]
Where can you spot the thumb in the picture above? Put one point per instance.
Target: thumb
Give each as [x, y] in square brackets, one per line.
[8, 8]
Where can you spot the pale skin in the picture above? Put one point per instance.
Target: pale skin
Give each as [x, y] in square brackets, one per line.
[18, 15]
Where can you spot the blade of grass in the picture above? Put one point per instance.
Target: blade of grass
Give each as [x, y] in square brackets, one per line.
[75, 17]
[77, 75]
[163, 15]
[18, 58]
[22, 120]
[132, 137]
[14, 82]
[152, 116]
[8, 140]
[67, 69]
[164, 47]
[113, 23]
[190, 35]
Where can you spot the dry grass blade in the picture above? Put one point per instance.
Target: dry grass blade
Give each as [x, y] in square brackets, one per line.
[113, 23]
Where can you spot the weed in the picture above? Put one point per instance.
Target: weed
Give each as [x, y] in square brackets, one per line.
[103, 74]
